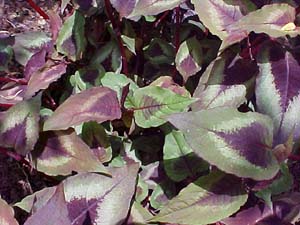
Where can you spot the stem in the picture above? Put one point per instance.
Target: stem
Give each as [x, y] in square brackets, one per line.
[177, 32]
[158, 21]
[6, 106]
[294, 157]
[116, 27]
[16, 157]
[9, 79]
[38, 9]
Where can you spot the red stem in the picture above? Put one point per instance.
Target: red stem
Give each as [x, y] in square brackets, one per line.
[177, 32]
[116, 28]
[38, 9]
[6, 106]
[294, 157]
[9, 79]
[16, 157]
[158, 21]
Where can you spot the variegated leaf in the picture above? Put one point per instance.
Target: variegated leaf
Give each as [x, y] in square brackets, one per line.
[152, 104]
[19, 127]
[278, 92]
[219, 96]
[64, 152]
[102, 200]
[42, 78]
[207, 200]
[235, 142]
[98, 103]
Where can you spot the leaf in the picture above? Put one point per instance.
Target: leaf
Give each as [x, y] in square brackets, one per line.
[152, 104]
[219, 96]
[6, 53]
[189, 58]
[138, 214]
[42, 78]
[64, 152]
[277, 92]
[71, 40]
[37, 199]
[218, 16]
[180, 161]
[6, 214]
[19, 127]
[152, 7]
[276, 20]
[124, 7]
[55, 211]
[98, 103]
[12, 94]
[129, 43]
[29, 43]
[212, 197]
[235, 142]
[282, 184]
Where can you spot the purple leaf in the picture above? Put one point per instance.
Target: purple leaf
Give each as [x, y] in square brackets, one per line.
[98, 103]
[64, 152]
[6, 214]
[12, 94]
[19, 128]
[36, 62]
[168, 83]
[277, 92]
[55, 211]
[249, 216]
[123, 7]
[235, 142]
[218, 16]
[89, 196]
[43, 77]
[55, 23]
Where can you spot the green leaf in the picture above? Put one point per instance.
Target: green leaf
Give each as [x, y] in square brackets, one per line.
[207, 200]
[6, 53]
[180, 161]
[235, 142]
[129, 43]
[282, 184]
[71, 39]
[152, 104]
[219, 96]
[19, 127]
[189, 58]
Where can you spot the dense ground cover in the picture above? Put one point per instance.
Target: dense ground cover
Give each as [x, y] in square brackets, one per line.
[149, 112]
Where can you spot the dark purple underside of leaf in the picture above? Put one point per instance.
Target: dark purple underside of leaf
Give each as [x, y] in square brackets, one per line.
[248, 141]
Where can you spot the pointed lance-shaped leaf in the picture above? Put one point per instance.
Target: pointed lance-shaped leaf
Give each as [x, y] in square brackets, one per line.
[180, 161]
[7, 214]
[152, 104]
[218, 16]
[104, 199]
[152, 7]
[54, 211]
[124, 7]
[19, 127]
[65, 152]
[42, 78]
[219, 96]
[278, 92]
[98, 103]
[71, 40]
[276, 20]
[189, 58]
[213, 197]
[235, 142]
